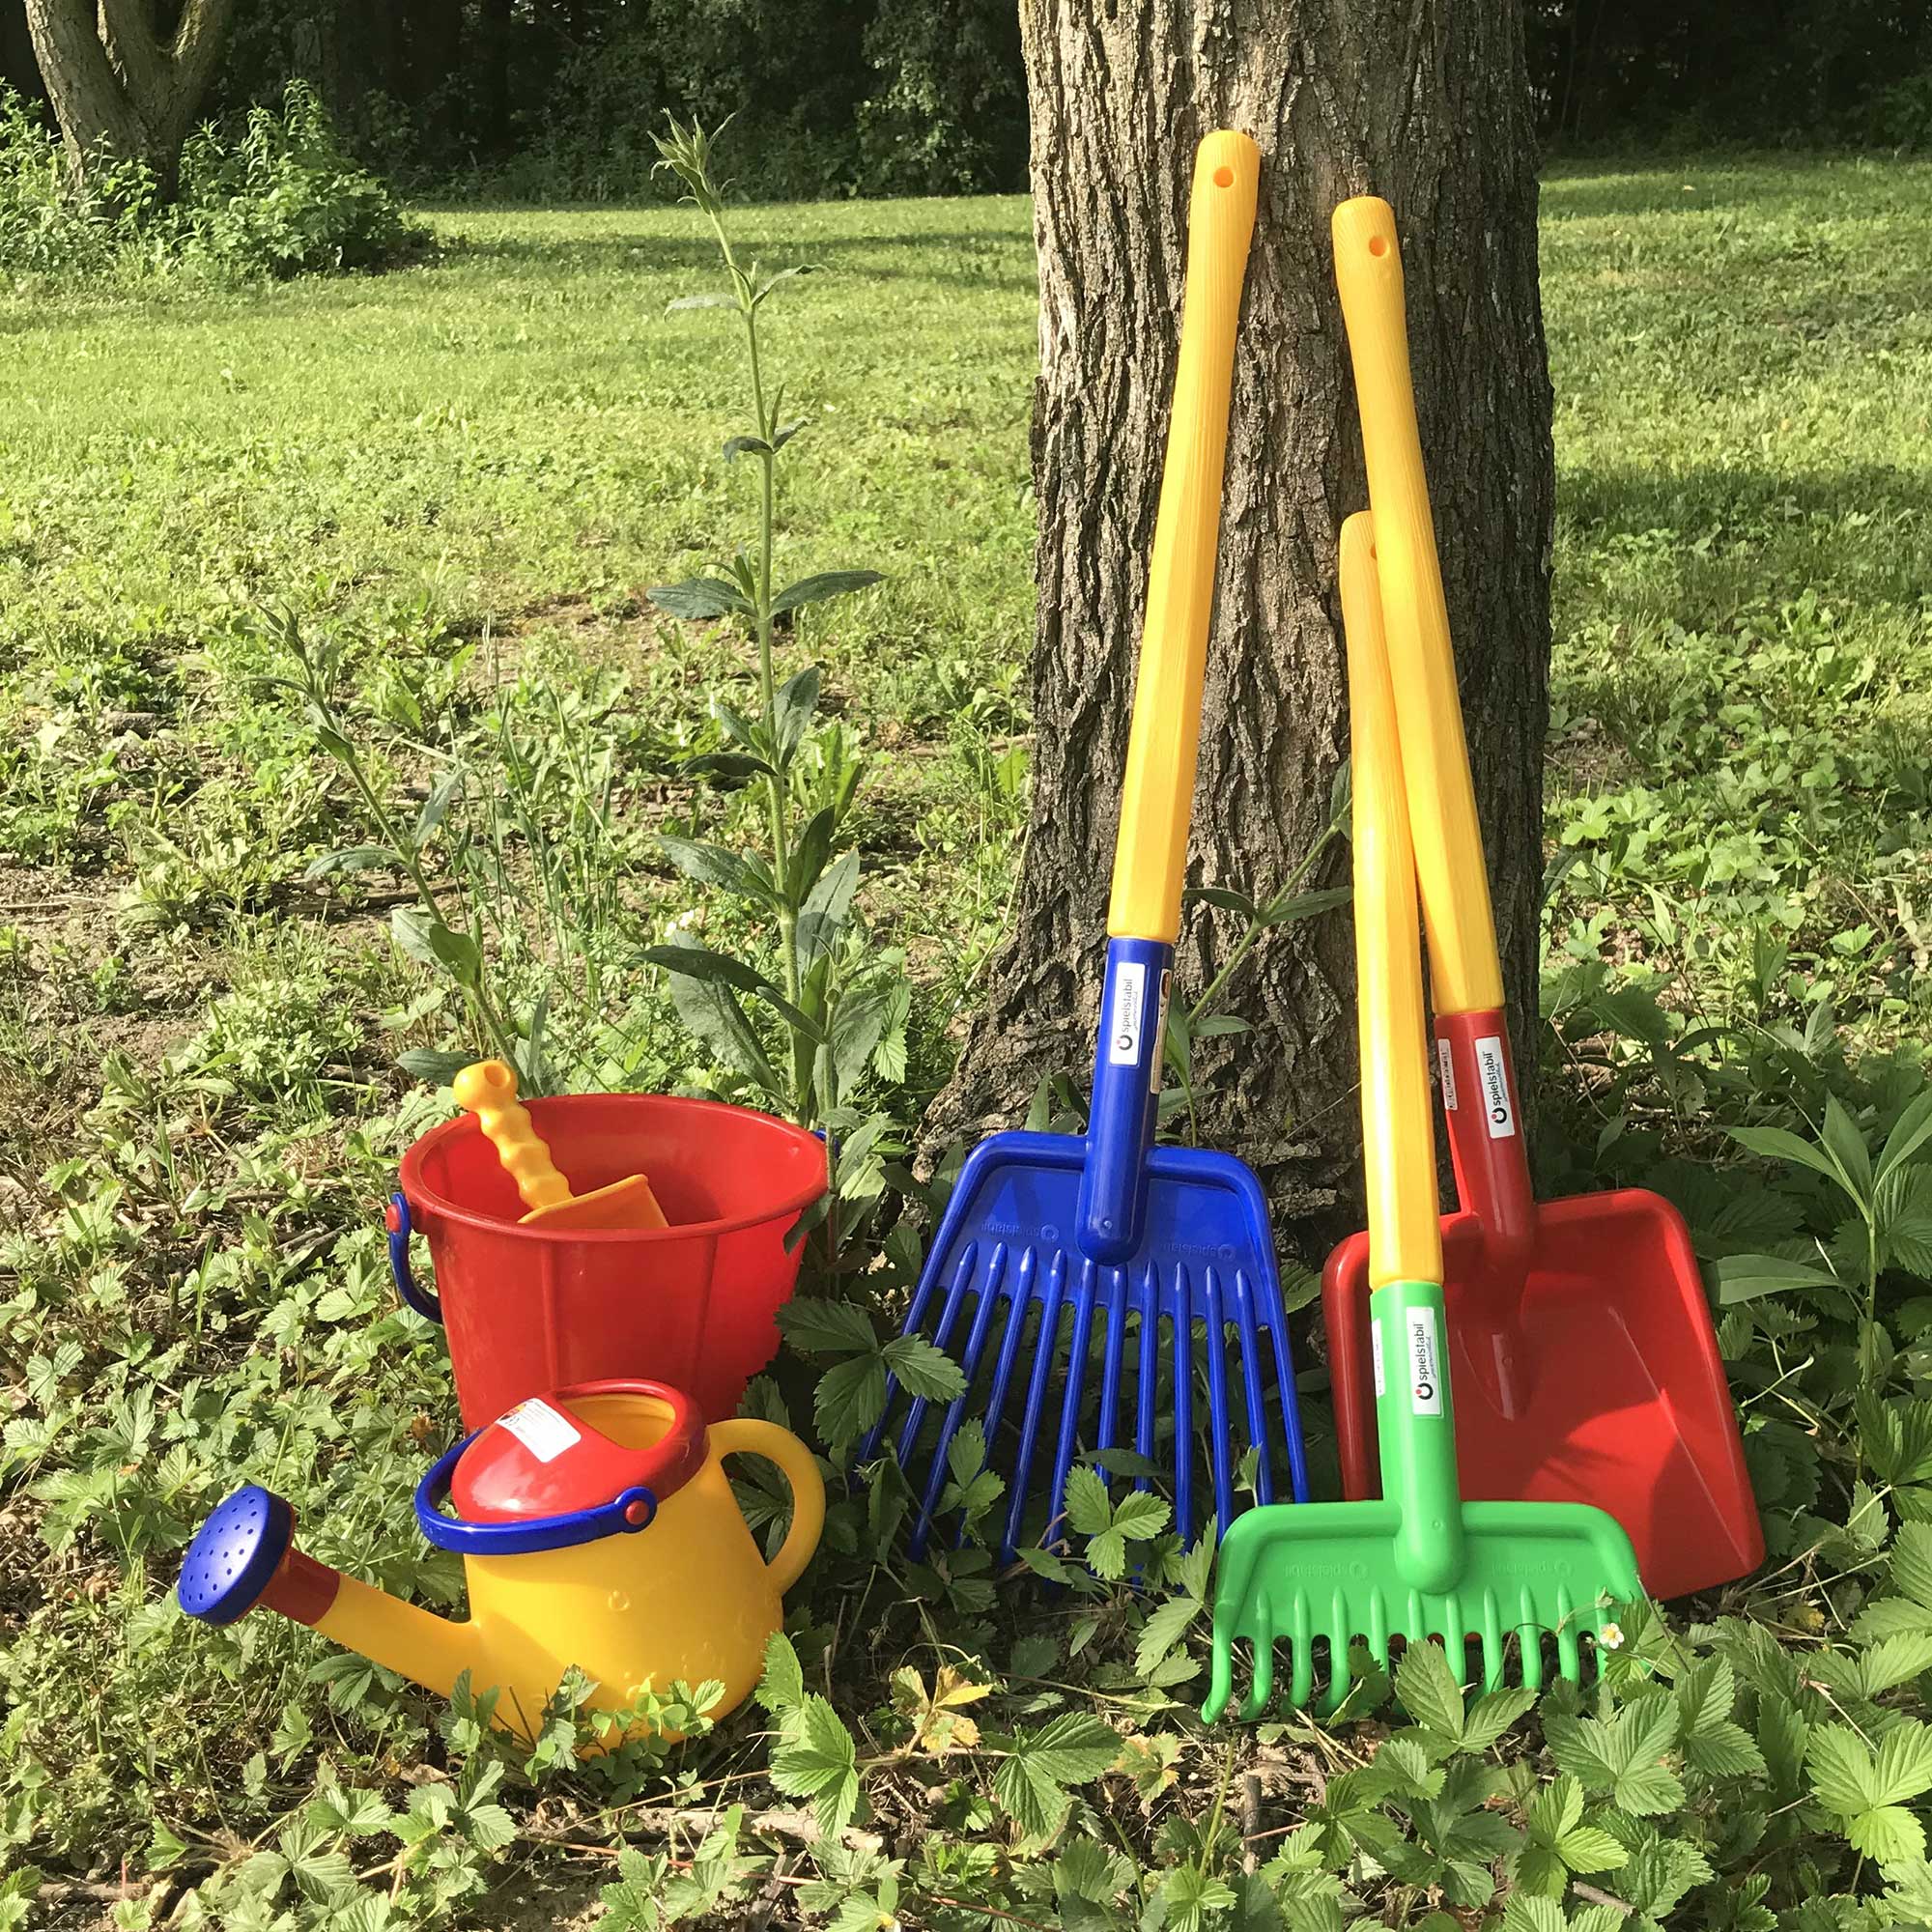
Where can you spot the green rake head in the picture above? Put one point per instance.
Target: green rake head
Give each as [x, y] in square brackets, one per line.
[1421, 1563]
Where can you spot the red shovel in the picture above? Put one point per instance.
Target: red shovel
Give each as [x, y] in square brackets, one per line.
[1582, 1349]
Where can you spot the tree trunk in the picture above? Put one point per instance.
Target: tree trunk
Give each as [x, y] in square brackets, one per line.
[116, 86]
[1429, 108]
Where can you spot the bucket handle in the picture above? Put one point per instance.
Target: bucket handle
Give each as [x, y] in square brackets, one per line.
[745, 1435]
[397, 1219]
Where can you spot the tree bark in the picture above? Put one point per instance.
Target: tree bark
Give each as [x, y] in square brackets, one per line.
[1428, 105]
[116, 85]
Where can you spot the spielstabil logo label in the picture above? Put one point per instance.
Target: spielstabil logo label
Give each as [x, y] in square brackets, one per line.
[1125, 1013]
[1493, 1070]
[1425, 1368]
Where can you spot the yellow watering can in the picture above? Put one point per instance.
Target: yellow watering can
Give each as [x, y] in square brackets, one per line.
[596, 1527]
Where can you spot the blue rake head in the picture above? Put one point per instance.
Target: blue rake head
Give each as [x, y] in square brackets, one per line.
[1193, 1311]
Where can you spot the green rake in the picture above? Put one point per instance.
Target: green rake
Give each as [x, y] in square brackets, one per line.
[1420, 1563]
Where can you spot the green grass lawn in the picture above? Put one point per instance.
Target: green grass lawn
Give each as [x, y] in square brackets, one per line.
[464, 477]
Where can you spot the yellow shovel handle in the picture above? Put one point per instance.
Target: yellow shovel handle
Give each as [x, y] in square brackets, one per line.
[1398, 1138]
[1448, 839]
[1164, 741]
[744, 1437]
[489, 1091]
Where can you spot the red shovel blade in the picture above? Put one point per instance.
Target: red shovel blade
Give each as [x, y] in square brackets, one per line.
[1624, 1402]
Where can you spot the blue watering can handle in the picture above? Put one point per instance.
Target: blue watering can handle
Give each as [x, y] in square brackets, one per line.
[624, 1514]
[420, 1300]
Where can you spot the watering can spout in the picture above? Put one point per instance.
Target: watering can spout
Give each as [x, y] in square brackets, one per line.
[244, 1557]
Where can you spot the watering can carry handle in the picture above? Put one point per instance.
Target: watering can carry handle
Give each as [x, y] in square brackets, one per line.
[418, 1297]
[744, 1435]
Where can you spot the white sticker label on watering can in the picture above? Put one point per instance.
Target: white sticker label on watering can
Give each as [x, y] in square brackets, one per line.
[1445, 1068]
[1493, 1069]
[1425, 1372]
[1123, 1023]
[540, 1429]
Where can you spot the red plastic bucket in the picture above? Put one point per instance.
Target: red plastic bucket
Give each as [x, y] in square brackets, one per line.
[530, 1309]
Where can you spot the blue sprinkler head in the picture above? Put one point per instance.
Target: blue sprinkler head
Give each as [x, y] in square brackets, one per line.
[235, 1555]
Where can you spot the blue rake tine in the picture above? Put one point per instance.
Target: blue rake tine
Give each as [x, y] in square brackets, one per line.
[1180, 1325]
[1251, 1388]
[1291, 1416]
[1076, 1381]
[915, 1316]
[1110, 1360]
[975, 1346]
[1149, 1366]
[1042, 1367]
[956, 1296]
[1018, 1304]
[1217, 1399]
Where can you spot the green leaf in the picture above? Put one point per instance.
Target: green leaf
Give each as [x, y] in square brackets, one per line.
[699, 598]
[1622, 1757]
[826, 583]
[1780, 1143]
[736, 447]
[1586, 1849]
[1746, 1277]
[818, 1760]
[1909, 1133]
[711, 1011]
[1289, 908]
[1524, 1911]
[849, 1399]
[925, 1369]
[1190, 1894]
[353, 859]
[1428, 1691]
[1107, 1555]
[1088, 1510]
[782, 1683]
[792, 708]
[817, 1327]
[1166, 1624]
[1074, 1747]
[433, 1064]
[808, 856]
[827, 907]
[1491, 1715]
[1846, 1146]
[712, 864]
[1141, 1516]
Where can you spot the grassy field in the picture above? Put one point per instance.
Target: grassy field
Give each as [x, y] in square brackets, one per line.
[462, 478]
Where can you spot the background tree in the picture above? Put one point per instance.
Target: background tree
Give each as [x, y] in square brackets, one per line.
[118, 80]
[1429, 108]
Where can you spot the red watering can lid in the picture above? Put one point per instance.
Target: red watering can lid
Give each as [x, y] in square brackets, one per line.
[544, 1461]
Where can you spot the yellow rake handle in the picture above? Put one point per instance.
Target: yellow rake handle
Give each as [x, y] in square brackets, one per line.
[1164, 741]
[1397, 1136]
[1462, 960]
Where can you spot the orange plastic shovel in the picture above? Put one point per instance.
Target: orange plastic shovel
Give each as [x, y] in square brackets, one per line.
[489, 1091]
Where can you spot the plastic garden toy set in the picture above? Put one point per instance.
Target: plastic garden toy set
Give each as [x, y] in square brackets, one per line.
[596, 1325]
[1533, 1420]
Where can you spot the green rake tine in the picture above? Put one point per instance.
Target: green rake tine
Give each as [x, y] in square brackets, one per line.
[1336, 1630]
[1255, 1704]
[1568, 1659]
[1495, 1645]
[1529, 1641]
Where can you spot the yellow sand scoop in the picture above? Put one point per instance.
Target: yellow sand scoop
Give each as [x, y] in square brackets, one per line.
[489, 1091]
